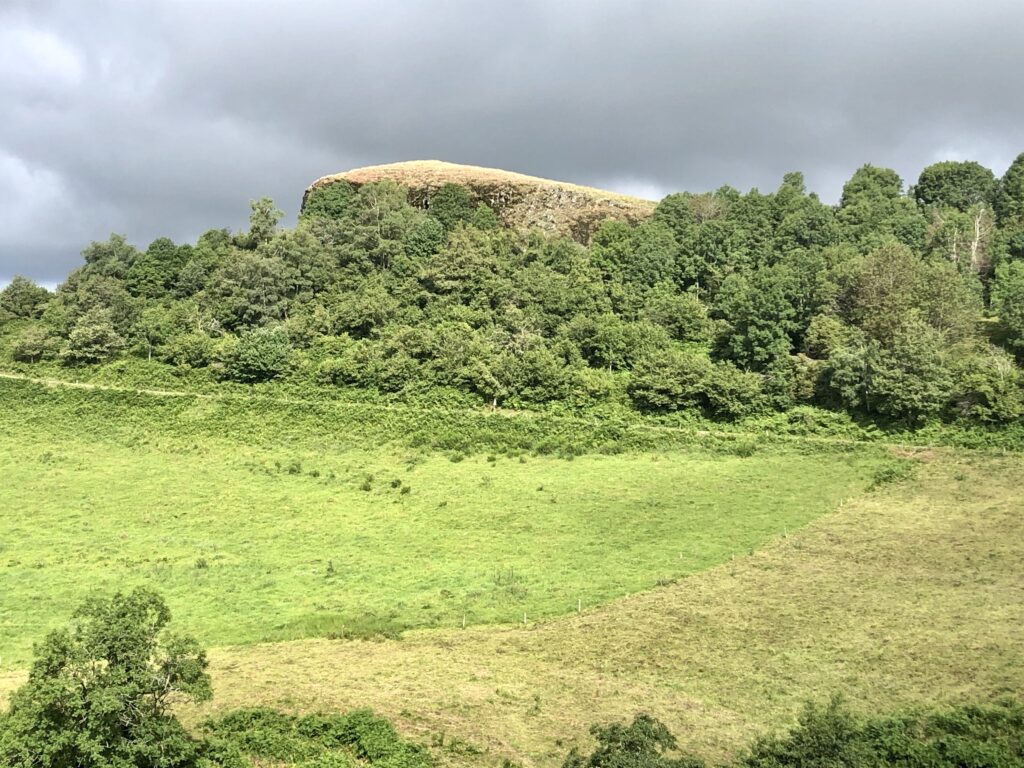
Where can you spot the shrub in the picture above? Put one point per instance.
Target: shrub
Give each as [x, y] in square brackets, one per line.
[34, 344]
[321, 740]
[330, 200]
[264, 733]
[645, 743]
[93, 339]
[194, 350]
[669, 378]
[451, 205]
[261, 355]
[733, 393]
[832, 735]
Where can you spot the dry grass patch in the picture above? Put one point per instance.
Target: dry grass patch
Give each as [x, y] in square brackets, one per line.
[436, 173]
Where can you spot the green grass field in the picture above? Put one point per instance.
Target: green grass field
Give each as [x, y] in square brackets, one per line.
[908, 596]
[723, 582]
[308, 536]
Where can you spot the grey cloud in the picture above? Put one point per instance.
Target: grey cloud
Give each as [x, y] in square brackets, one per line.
[157, 117]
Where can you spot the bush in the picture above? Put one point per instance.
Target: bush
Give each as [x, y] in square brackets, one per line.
[194, 350]
[670, 378]
[989, 387]
[93, 339]
[34, 344]
[320, 740]
[831, 735]
[451, 205]
[261, 355]
[645, 743]
[733, 393]
[331, 201]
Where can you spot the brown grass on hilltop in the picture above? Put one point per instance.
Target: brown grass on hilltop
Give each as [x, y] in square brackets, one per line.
[518, 199]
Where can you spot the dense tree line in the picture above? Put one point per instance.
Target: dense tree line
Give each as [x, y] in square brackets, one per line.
[897, 305]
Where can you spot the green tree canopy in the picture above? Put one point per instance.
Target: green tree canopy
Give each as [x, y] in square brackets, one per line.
[1008, 302]
[1010, 195]
[953, 184]
[332, 200]
[451, 205]
[263, 219]
[873, 210]
[99, 693]
[22, 298]
[261, 355]
[93, 339]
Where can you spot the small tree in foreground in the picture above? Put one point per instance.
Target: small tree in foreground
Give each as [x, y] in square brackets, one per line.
[100, 691]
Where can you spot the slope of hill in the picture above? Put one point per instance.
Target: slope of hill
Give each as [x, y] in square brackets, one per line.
[905, 597]
[520, 201]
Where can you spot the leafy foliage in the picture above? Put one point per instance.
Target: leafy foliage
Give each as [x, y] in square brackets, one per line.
[832, 736]
[23, 299]
[723, 304]
[317, 739]
[99, 693]
[955, 185]
[644, 743]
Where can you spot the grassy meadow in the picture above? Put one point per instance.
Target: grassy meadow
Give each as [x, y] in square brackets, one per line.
[329, 554]
[907, 597]
[308, 535]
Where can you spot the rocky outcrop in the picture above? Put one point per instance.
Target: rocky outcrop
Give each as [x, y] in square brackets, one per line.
[520, 201]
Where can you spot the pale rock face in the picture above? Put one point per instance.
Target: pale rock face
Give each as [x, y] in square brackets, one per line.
[519, 201]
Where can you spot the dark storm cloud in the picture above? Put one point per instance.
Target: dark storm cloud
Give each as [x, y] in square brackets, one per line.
[157, 117]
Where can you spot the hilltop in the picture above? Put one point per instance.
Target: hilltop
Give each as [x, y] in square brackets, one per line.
[520, 201]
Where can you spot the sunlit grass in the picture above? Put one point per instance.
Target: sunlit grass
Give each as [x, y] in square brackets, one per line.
[306, 537]
[909, 596]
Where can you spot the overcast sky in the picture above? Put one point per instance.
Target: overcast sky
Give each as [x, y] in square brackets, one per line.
[156, 117]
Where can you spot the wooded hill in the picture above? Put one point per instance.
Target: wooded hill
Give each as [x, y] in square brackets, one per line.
[895, 306]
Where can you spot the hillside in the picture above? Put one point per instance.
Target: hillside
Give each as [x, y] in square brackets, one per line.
[520, 201]
[500, 486]
[905, 597]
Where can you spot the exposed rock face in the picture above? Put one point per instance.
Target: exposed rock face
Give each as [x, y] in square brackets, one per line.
[519, 201]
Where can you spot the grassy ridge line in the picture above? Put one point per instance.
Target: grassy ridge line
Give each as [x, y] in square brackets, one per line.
[661, 435]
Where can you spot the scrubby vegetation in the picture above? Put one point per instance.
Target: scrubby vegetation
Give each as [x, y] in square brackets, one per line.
[896, 307]
[832, 736]
[99, 695]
